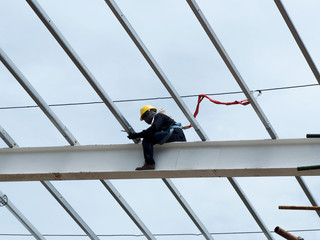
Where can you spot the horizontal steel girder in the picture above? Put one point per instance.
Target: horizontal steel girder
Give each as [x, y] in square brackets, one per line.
[173, 160]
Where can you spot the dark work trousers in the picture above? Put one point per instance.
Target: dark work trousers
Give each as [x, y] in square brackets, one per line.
[149, 141]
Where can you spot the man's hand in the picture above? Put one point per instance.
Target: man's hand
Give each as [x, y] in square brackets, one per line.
[133, 135]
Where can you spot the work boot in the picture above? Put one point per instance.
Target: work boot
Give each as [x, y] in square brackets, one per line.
[146, 166]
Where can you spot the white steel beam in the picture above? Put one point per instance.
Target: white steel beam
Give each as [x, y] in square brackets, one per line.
[99, 90]
[63, 130]
[156, 68]
[75, 216]
[298, 39]
[232, 68]
[55, 193]
[36, 97]
[45, 108]
[308, 193]
[251, 209]
[165, 81]
[126, 207]
[184, 204]
[5, 201]
[80, 65]
[7, 138]
[182, 159]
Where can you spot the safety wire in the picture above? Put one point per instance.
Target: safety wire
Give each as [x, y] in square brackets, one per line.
[260, 91]
[156, 235]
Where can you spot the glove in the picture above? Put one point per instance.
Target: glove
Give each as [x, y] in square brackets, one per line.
[133, 135]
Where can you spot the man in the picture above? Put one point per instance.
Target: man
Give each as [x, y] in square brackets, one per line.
[163, 129]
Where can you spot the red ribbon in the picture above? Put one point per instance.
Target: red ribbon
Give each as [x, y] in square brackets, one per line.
[202, 96]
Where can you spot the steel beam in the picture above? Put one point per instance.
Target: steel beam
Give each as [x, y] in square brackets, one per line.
[308, 193]
[298, 39]
[75, 216]
[80, 65]
[45, 108]
[126, 207]
[96, 86]
[54, 192]
[156, 68]
[187, 209]
[7, 138]
[63, 130]
[251, 209]
[232, 68]
[37, 98]
[165, 81]
[224, 55]
[5, 201]
[181, 159]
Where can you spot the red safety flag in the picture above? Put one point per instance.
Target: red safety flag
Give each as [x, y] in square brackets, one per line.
[202, 96]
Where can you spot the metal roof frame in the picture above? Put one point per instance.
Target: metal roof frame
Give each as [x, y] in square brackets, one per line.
[213, 37]
[5, 201]
[64, 44]
[126, 207]
[308, 193]
[156, 68]
[251, 209]
[242, 84]
[227, 60]
[298, 39]
[80, 65]
[37, 98]
[7, 139]
[63, 130]
[134, 36]
[184, 204]
[69, 209]
[118, 115]
[55, 193]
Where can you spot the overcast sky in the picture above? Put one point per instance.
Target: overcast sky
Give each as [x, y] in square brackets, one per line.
[261, 47]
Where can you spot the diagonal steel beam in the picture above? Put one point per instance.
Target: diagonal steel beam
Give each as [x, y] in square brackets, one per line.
[187, 208]
[37, 98]
[63, 130]
[103, 95]
[75, 216]
[126, 207]
[156, 68]
[298, 39]
[4, 201]
[241, 82]
[232, 68]
[7, 138]
[165, 81]
[80, 65]
[251, 209]
[307, 192]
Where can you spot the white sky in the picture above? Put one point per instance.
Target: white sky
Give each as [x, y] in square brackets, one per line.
[260, 45]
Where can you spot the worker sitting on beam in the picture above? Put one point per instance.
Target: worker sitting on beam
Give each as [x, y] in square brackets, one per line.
[163, 129]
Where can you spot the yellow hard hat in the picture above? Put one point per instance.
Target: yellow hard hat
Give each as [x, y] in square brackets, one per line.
[145, 109]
